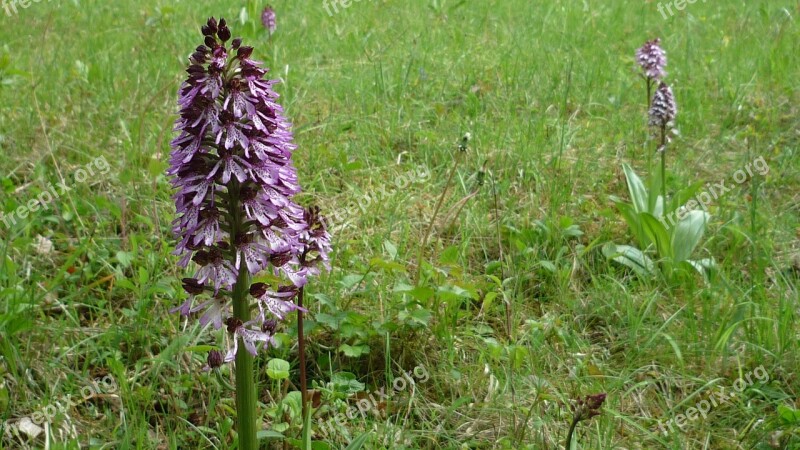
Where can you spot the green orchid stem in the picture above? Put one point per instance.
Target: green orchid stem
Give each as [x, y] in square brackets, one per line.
[664, 166]
[245, 383]
[572, 426]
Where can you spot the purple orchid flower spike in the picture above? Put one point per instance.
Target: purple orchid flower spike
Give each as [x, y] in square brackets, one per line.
[231, 167]
[652, 59]
[268, 19]
[663, 108]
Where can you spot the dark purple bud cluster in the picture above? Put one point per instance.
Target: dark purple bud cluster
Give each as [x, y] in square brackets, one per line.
[588, 407]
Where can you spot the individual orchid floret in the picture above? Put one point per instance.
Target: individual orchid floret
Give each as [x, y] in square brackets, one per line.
[250, 338]
[277, 303]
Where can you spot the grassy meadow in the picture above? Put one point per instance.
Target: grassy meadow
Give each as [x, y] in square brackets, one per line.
[471, 302]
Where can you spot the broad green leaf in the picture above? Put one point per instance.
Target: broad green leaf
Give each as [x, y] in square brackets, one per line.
[278, 369]
[789, 415]
[390, 248]
[422, 293]
[633, 220]
[354, 351]
[124, 258]
[420, 315]
[349, 281]
[703, 266]
[359, 441]
[657, 233]
[328, 320]
[655, 201]
[573, 231]
[687, 234]
[631, 257]
[636, 188]
[280, 427]
[293, 402]
[657, 209]
[268, 434]
[346, 382]
[391, 266]
[449, 256]
[684, 195]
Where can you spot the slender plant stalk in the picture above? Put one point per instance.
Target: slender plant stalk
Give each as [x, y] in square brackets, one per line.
[245, 384]
[663, 148]
[463, 202]
[301, 342]
[428, 231]
[649, 83]
[570, 432]
[506, 302]
[451, 218]
[502, 262]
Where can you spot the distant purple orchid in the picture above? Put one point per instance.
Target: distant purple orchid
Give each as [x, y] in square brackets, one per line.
[232, 169]
[663, 108]
[652, 59]
[268, 19]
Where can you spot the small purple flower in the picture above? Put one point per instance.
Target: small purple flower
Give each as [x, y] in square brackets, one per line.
[250, 338]
[652, 59]
[277, 303]
[193, 288]
[214, 311]
[235, 184]
[214, 267]
[663, 108]
[268, 19]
